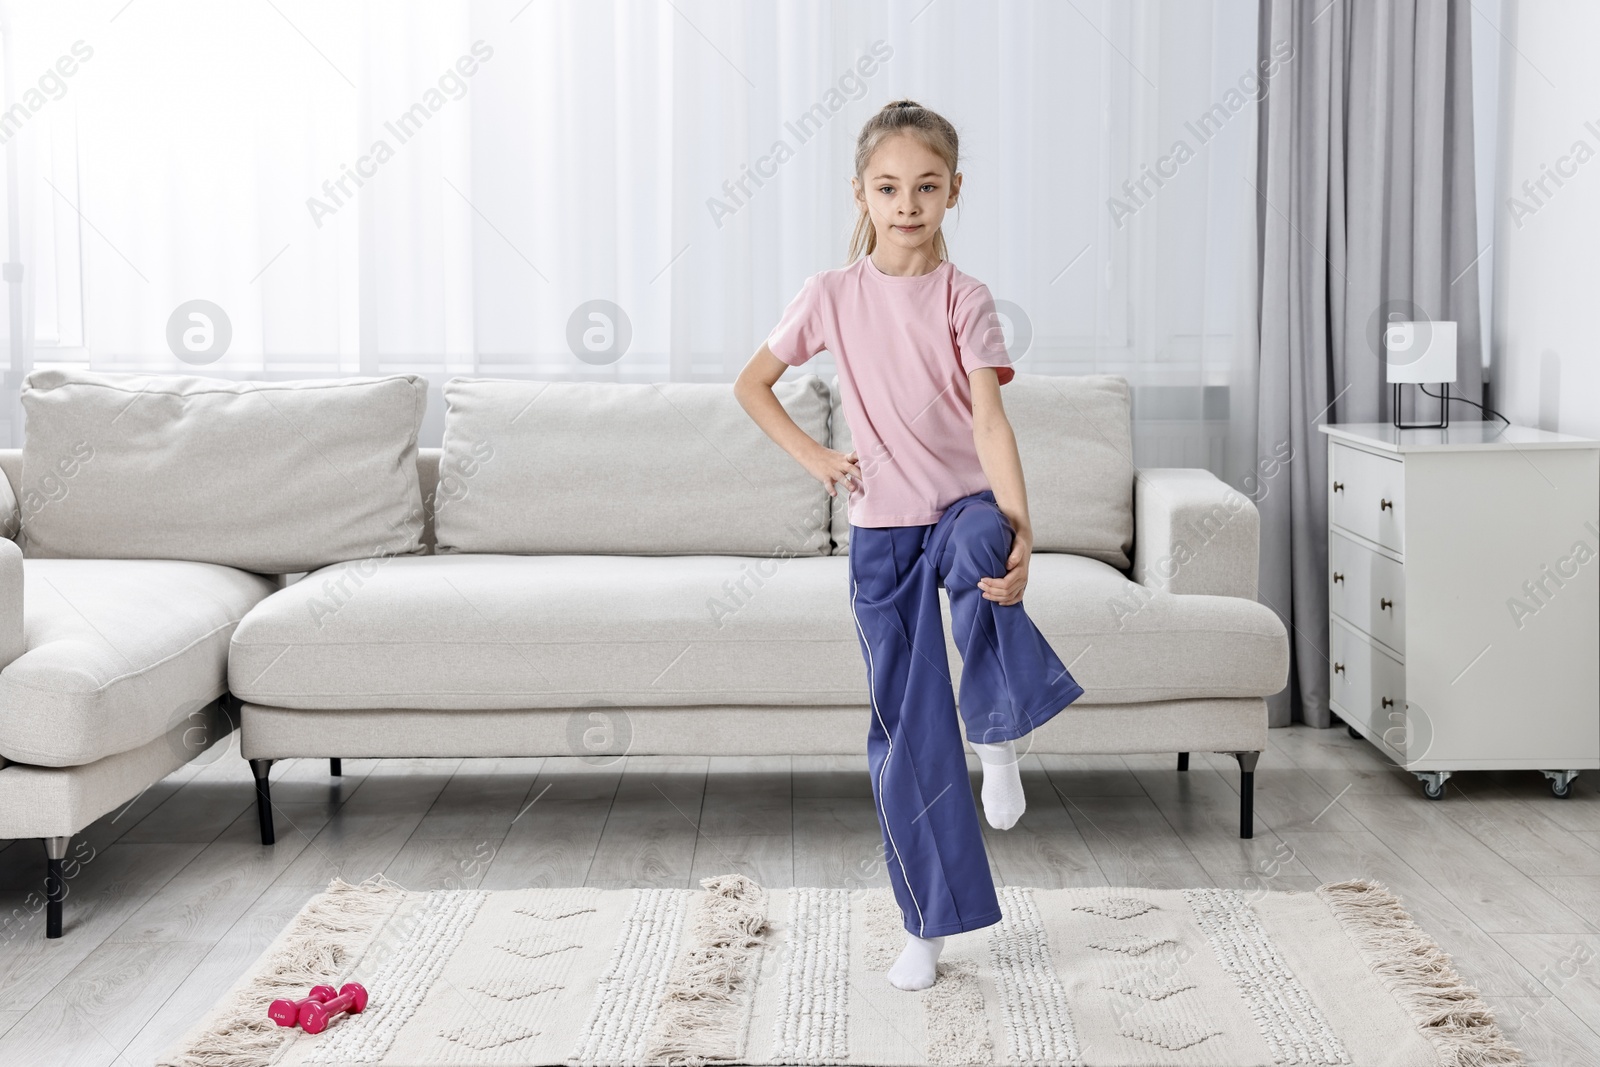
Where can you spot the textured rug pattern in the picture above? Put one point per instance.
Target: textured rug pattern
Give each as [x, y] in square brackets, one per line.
[738, 973]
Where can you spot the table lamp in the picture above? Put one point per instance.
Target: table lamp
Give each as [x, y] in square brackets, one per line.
[1416, 353]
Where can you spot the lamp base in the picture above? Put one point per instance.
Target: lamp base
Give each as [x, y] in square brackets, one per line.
[1444, 411]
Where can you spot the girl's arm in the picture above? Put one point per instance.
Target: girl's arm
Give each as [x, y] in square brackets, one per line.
[753, 390]
[997, 453]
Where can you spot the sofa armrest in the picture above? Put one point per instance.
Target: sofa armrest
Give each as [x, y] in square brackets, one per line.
[1194, 533]
[10, 480]
[12, 644]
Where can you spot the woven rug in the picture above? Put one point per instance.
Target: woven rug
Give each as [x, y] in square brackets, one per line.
[738, 973]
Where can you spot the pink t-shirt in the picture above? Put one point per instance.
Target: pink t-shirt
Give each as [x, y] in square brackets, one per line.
[904, 347]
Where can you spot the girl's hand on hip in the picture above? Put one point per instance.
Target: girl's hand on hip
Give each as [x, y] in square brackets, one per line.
[1008, 590]
[829, 466]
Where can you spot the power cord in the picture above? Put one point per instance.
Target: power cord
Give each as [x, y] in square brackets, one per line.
[1464, 400]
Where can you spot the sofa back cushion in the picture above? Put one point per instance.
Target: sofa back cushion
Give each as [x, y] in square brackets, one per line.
[666, 468]
[1075, 438]
[274, 477]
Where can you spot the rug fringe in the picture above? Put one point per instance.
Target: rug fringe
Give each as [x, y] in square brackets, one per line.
[316, 948]
[707, 998]
[1448, 1011]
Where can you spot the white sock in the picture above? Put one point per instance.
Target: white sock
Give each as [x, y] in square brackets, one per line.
[918, 964]
[1003, 801]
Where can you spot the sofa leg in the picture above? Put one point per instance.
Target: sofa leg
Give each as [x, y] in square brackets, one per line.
[1247, 792]
[1183, 761]
[55, 883]
[261, 768]
[336, 767]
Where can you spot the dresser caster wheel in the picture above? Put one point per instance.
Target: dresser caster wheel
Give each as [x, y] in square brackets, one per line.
[1560, 783]
[1352, 731]
[1432, 783]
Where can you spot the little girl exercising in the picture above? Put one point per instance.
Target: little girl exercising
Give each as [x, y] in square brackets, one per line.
[940, 501]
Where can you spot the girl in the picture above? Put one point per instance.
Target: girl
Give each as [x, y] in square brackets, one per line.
[940, 502]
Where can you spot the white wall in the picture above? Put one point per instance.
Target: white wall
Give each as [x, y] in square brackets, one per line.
[1545, 356]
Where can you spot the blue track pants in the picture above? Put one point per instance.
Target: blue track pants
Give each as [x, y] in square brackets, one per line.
[1011, 682]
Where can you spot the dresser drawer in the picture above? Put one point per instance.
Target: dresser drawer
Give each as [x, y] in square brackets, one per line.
[1367, 589]
[1365, 494]
[1367, 685]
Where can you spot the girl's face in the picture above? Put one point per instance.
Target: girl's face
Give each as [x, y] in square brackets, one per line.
[906, 190]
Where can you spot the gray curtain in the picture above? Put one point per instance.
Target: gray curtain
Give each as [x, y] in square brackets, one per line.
[1365, 211]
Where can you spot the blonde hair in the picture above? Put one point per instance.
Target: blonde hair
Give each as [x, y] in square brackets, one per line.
[928, 126]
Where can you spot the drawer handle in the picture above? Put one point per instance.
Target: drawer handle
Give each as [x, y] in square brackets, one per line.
[1338, 577]
[1385, 505]
[1388, 703]
[1384, 603]
[1338, 668]
[1338, 487]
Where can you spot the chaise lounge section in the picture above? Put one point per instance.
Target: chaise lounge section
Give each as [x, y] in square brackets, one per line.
[143, 519]
[113, 674]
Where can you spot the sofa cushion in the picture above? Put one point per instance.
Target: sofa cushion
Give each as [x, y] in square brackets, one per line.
[1075, 440]
[1127, 644]
[642, 469]
[119, 653]
[273, 477]
[497, 632]
[512, 631]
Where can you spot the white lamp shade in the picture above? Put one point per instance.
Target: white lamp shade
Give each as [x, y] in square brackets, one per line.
[1420, 351]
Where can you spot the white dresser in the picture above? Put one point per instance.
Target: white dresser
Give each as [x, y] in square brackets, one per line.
[1464, 597]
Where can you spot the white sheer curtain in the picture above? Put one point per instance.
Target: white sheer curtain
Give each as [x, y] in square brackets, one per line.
[596, 152]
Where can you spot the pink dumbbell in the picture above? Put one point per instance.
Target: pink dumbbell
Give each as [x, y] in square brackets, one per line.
[287, 1012]
[315, 1016]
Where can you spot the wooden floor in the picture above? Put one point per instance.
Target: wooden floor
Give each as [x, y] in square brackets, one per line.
[174, 896]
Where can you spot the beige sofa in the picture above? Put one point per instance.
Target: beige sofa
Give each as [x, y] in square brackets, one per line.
[590, 569]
